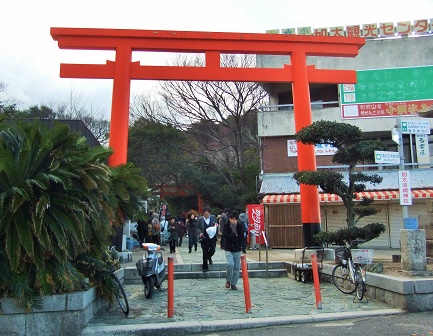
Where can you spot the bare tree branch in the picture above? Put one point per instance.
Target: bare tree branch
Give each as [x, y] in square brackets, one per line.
[216, 114]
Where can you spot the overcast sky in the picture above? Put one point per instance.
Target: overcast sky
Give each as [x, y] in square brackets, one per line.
[29, 58]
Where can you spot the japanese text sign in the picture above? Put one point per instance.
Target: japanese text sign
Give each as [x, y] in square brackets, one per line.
[386, 157]
[404, 186]
[422, 149]
[319, 149]
[415, 126]
[388, 93]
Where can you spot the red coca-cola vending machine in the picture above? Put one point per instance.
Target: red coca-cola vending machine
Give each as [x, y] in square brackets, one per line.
[256, 222]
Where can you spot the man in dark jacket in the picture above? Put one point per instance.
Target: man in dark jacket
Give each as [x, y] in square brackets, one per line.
[142, 231]
[208, 244]
[233, 234]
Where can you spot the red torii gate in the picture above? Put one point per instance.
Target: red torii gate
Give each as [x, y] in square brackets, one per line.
[122, 71]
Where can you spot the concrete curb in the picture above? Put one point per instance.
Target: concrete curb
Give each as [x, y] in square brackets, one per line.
[194, 327]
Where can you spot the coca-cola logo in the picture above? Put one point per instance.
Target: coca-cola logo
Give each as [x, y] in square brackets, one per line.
[256, 216]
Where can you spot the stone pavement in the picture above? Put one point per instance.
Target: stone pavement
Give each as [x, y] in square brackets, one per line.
[206, 305]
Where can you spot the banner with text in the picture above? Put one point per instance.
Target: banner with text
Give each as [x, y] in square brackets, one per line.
[320, 149]
[422, 149]
[404, 186]
[388, 93]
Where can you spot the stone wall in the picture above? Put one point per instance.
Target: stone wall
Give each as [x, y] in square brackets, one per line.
[63, 314]
[425, 222]
[411, 294]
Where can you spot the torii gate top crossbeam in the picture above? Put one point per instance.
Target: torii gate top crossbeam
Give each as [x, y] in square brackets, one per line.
[212, 45]
[188, 41]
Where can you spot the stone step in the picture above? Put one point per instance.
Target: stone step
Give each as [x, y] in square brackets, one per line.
[273, 273]
[194, 267]
[222, 266]
[217, 270]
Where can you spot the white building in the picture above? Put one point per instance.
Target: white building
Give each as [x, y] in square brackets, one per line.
[395, 79]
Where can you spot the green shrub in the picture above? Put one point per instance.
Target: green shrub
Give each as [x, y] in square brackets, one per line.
[58, 207]
[344, 236]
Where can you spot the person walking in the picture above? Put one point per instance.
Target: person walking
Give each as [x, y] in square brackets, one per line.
[181, 234]
[156, 229]
[173, 228]
[244, 219]
[149, 236]
[224, 219]
[233, 234]
[141, 230]
[191, 227]
[165, 234]
[208, 241]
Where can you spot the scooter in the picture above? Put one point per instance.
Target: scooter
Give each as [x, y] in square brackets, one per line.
[151, 268]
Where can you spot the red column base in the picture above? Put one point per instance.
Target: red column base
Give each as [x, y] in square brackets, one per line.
[308, 230]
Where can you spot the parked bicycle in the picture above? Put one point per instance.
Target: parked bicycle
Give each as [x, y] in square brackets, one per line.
[119, 292]
[349, 276]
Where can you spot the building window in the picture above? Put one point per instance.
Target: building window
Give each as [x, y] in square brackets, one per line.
[320, 96]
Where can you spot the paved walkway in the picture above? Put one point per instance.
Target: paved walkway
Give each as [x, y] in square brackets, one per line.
[200, 300]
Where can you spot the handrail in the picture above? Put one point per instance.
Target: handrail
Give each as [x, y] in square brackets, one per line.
[290, 107]
[266, 247]
[372, 165]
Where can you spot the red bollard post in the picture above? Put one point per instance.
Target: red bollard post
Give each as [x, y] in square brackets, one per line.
[246, 284]
[170, 280]
[316, 281]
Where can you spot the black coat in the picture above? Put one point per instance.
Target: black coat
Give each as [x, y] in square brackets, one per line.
[173, 228]
[191, 227]
[233, 241]
[141, 229]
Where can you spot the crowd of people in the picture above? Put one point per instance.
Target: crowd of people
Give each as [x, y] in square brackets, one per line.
[230, 226]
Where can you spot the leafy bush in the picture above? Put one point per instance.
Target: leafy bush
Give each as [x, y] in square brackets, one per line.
[344, 236]
[351, 150]
[58, 208]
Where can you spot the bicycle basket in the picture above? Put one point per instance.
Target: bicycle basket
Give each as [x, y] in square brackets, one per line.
[362, 256]
[341, 253]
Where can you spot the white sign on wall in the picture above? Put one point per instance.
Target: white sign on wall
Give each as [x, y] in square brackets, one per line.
[404, 185]
[386, 157]
[415, 126]
[422, 150]
[320, 149]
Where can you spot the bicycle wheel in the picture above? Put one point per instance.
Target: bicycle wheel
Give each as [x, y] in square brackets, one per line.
[341, 279]
[121, 296]
[360, 284]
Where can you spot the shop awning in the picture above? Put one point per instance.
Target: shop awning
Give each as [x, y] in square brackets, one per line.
[323, 197]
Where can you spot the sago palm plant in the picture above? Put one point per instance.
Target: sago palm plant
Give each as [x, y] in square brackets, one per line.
[57, 209]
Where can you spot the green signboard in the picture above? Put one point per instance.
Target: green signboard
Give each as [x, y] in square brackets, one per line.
[390, 85]
[388, 92]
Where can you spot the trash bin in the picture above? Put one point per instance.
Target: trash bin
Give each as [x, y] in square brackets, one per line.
[252, 239]
[129, 244]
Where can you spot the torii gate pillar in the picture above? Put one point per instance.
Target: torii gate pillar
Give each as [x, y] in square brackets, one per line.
[303, 117]
[122, 71]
